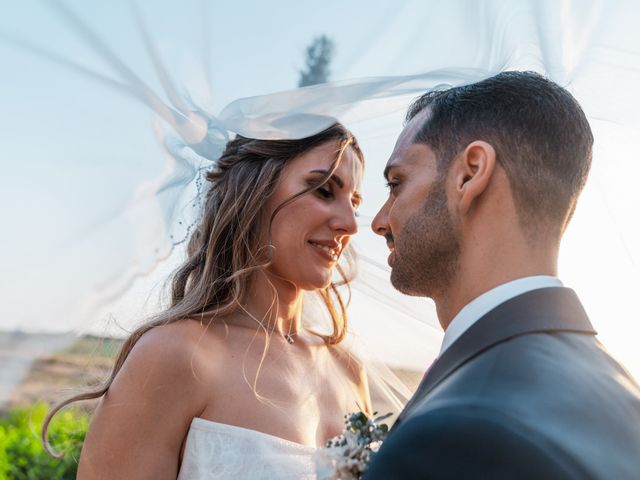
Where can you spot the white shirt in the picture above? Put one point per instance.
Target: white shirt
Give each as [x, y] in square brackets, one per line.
[486, 302]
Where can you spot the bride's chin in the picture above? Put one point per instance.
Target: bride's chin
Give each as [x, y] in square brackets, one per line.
[314, 285]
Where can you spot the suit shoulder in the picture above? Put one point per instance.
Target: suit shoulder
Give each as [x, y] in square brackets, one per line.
[460, 442]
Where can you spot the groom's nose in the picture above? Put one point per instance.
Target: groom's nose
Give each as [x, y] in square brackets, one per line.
[380, 223]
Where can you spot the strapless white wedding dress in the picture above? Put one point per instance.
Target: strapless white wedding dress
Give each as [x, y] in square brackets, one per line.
[219, 451]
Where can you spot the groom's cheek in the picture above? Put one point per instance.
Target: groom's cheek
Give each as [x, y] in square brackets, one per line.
[395, 218]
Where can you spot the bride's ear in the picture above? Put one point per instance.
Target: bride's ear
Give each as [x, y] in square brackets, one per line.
[474, 169]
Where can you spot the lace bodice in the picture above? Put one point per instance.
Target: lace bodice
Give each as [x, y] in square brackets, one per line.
[219, 451]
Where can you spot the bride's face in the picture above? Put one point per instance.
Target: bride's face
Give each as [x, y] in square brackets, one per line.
[310, 234]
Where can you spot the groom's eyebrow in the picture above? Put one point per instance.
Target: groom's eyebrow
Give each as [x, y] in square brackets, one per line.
[387, 170]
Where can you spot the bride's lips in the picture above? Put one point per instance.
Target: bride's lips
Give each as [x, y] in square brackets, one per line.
[328, 250]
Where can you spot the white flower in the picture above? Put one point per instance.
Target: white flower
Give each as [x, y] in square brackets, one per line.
[347, 456]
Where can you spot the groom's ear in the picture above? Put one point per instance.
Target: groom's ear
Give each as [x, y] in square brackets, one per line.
[474, 169]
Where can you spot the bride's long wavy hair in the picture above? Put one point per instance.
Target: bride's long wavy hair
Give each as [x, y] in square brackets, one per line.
[227, 247]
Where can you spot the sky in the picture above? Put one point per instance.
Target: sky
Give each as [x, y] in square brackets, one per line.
[75, 151]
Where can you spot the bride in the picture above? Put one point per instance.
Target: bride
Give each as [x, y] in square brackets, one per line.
[230, 381]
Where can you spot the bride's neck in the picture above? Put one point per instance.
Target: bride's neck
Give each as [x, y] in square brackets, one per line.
[275, 303]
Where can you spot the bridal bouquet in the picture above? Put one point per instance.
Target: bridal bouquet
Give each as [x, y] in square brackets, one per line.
[347, 456]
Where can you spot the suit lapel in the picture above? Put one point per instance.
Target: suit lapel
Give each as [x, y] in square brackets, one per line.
[554, 309]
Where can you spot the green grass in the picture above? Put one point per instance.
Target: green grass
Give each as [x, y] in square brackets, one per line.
[22, 456]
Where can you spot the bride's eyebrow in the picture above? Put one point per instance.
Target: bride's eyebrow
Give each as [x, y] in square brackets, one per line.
[339, 182]
[333, 177]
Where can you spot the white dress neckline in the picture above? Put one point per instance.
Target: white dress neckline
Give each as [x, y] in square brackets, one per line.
[219, 451]
[205, 424]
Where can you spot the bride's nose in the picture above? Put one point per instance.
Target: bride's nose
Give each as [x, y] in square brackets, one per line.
[344, 220]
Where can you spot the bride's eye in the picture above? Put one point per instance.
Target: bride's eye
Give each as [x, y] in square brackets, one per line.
[356, 205]
[324, 192]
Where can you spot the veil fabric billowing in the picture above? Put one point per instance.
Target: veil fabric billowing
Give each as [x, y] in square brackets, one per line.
[93, 229]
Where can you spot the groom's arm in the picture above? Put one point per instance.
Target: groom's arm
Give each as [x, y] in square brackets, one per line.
[457, 443]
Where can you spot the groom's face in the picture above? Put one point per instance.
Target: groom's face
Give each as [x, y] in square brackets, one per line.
[415, 219]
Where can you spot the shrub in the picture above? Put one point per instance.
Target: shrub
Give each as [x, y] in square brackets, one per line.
[22, 456]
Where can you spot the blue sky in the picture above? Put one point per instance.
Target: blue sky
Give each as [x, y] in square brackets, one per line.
[73, 151]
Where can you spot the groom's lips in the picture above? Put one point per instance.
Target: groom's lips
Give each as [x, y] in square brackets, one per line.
[391, 254]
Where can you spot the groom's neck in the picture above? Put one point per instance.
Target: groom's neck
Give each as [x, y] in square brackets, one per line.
[484, 266]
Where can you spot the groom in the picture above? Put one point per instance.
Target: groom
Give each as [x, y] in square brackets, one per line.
[483, 182]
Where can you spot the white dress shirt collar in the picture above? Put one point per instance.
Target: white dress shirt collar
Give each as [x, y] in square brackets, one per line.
[486, 302]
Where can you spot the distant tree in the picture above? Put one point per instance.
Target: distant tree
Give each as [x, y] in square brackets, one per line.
[318, 58]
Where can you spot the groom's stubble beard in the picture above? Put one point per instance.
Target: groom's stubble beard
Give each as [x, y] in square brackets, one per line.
[427, 252]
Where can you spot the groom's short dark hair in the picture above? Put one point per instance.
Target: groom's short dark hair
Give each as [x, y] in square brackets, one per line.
[540, 134]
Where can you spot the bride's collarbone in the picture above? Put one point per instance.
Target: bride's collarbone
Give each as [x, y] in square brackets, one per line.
[233, 346]
[285, 378]
[281, 373]
[236, 373]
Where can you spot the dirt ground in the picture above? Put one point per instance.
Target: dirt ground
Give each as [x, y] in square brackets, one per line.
[50, 379]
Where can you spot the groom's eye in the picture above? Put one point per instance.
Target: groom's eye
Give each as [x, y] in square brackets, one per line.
[391, 185]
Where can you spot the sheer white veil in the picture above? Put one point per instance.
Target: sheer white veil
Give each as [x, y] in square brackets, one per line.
[91, 259]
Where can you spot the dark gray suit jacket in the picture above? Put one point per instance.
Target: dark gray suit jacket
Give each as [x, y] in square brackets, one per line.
[526, 393]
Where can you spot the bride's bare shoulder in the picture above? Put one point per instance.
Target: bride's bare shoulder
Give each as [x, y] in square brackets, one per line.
[180, 347]
[180, 335]
[139, 427]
